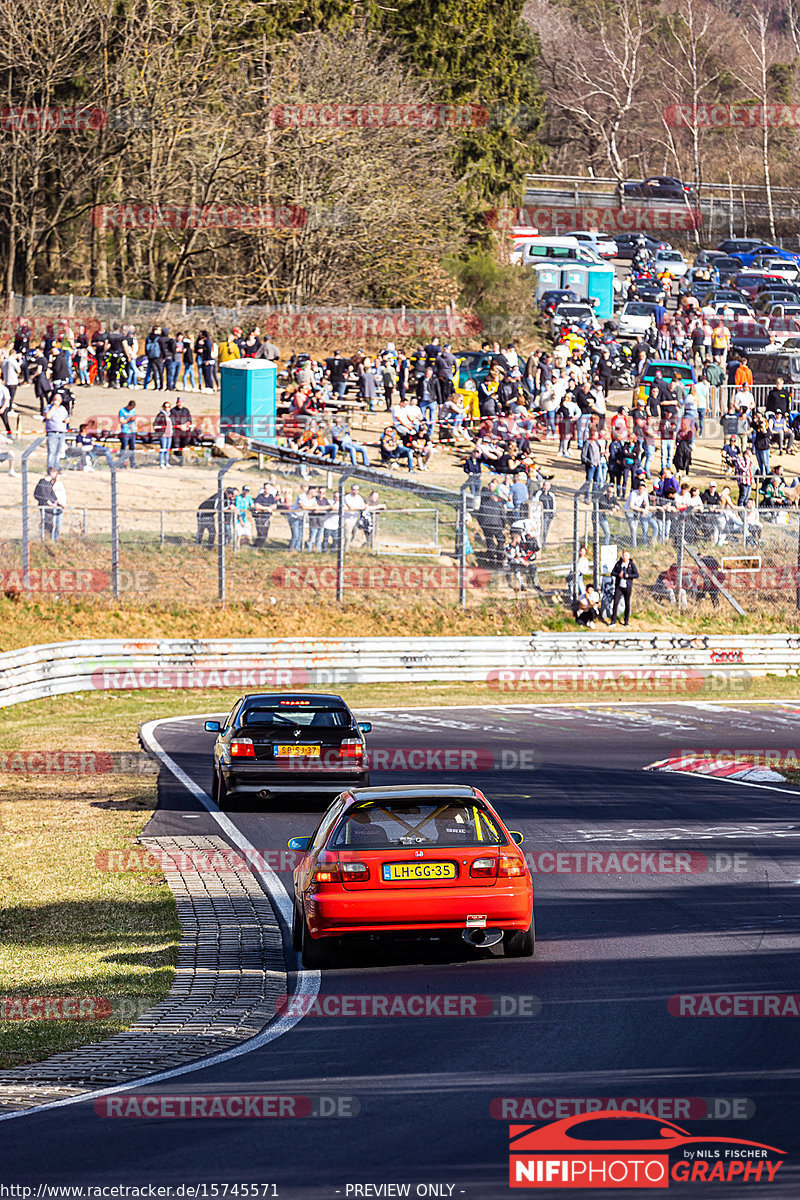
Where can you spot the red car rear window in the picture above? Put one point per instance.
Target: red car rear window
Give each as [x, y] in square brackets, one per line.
[390, 825]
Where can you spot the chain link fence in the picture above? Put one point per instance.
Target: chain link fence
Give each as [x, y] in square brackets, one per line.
[394, 539]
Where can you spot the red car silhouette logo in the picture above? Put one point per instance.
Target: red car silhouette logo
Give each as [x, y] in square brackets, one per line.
[656, 1135]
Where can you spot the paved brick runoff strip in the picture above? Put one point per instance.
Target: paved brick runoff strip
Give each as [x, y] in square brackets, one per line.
[230, 973]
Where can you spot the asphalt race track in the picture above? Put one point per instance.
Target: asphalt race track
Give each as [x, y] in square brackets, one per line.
[611, 950]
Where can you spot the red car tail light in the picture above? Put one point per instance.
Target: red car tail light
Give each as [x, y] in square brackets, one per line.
[483, 868]
[507, 868]
[242, 748]
[355, 872]
[328, 873]
[351, 748]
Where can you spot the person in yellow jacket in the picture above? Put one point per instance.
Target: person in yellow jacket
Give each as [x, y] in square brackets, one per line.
[228, 350]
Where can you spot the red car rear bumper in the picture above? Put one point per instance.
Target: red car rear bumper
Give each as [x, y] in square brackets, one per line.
[426, 910]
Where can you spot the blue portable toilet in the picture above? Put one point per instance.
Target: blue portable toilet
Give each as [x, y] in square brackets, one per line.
[600, 283]
[548, 278]
[247, 402]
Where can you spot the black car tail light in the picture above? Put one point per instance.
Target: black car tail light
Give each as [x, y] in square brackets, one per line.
[351, 748]
[242, 748]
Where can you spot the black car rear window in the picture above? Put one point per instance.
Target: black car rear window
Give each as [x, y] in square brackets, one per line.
[306, 717]
[397, 825]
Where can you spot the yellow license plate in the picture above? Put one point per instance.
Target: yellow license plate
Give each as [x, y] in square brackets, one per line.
[298, 751]
[410, 872]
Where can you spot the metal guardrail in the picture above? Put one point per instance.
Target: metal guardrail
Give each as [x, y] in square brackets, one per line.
[247, 664]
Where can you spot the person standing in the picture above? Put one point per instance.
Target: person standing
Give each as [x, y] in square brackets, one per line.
[127, 434]
[56, 419]
[338, 369]
[264, 505]
[181, 429]
[163, 429]
[51, 497]
[204, 353]
[155, 362]
[11, 368]
[624, 572]
[188, 381]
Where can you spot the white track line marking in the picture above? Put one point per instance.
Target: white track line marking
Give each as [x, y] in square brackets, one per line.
[307, 981]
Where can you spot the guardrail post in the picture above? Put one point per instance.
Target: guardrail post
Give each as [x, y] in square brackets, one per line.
[221, 531]
[681, 535]
[114, 530]
[596, 541]
[576, 538]
[340, 541]
[462, 547]
[26, 547]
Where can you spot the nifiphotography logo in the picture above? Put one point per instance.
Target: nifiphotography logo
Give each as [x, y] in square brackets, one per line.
[615, 1149]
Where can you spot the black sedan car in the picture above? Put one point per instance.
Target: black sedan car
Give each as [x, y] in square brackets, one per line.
[271, 745]
[651, 290]
[659, 187]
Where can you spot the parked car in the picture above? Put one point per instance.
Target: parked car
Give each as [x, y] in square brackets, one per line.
[731, 309]
[738, 246]
[727, 268]
[783, 308]
[750, 283]
[549, 301]
[748, 336]
[715, 295]
[767, 366]
[669, 367]
[784, 267]
[672, 261]
[628, 244]
[748, 257]
[706, 258]
[573, 314]
[659, 187]
[634, 318]
[652, 290]
[603, 246]
[769, 296]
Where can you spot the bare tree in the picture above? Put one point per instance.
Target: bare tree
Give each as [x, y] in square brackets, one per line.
[594, 67]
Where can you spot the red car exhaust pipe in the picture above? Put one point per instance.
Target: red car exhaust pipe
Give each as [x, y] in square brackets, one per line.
[482, 938]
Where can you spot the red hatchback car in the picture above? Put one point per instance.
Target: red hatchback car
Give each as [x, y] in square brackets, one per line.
[415, 861]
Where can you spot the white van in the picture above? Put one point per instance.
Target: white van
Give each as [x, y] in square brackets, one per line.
[538, 249]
